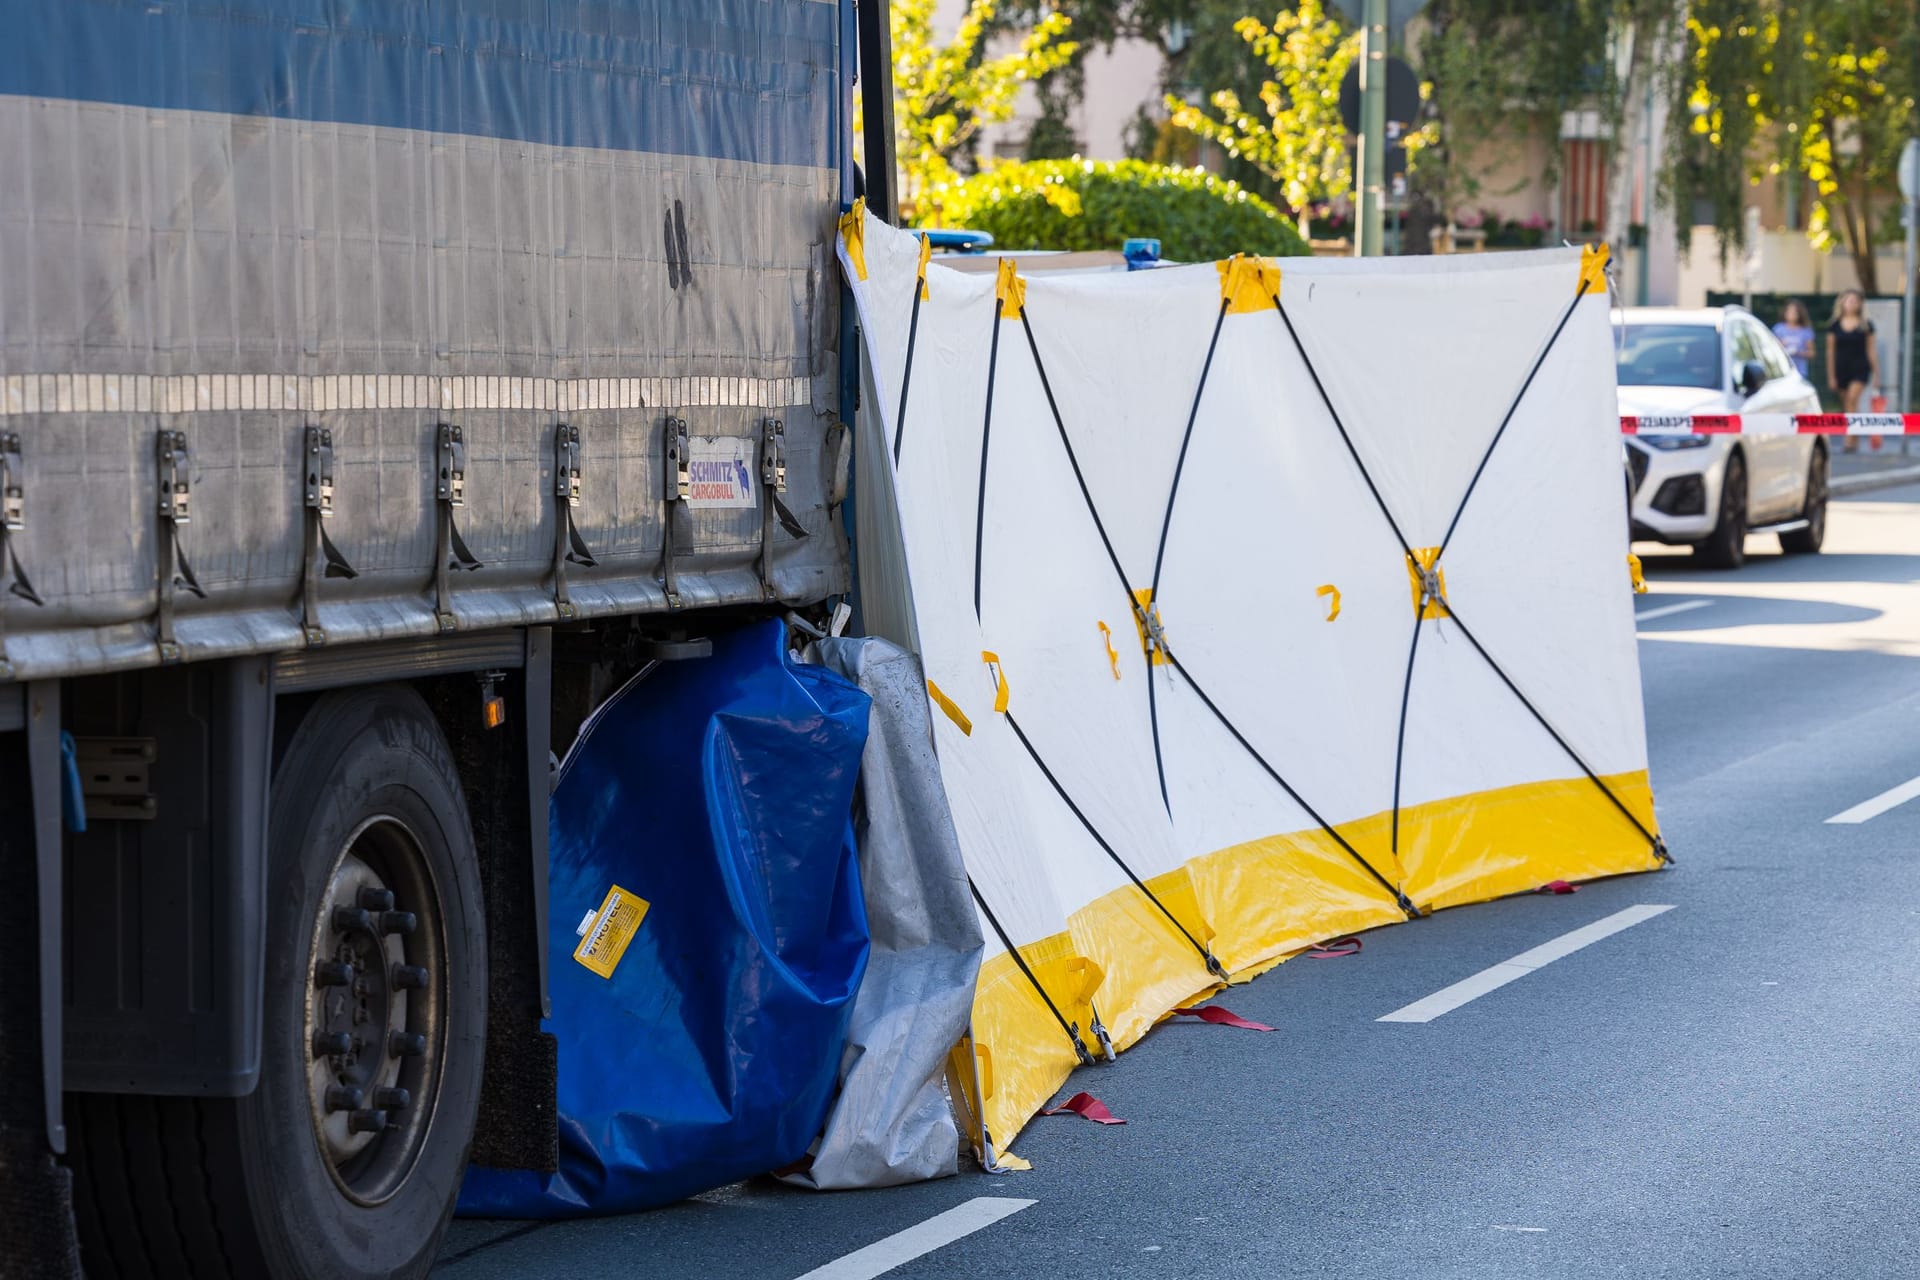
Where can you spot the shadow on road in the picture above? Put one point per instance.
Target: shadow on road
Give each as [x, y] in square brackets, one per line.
[1746, 611]
[1840, 566]
[1711, 704]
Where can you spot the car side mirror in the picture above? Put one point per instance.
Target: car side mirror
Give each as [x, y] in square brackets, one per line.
[1753, 376]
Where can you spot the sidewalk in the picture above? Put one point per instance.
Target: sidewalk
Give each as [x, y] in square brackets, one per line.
[1896, 461]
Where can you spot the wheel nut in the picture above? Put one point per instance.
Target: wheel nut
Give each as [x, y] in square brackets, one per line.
[365, 1121]
[333, 973]
[347, 919]
[409, 977]
[405, 1044]
[343, 1097]
[375, 899]
[391, 1099]
[397, 922]
[331, 1044]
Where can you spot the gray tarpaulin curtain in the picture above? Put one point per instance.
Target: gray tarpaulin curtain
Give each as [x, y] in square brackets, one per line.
[891, 1122]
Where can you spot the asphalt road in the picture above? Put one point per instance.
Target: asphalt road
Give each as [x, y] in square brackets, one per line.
[1727, 1088]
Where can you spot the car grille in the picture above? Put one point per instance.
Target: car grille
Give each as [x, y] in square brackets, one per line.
[1636, 467]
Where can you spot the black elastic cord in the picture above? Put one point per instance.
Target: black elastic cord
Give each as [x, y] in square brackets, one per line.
[1659, 845]
[1405, 903]
[1406, 687]
[1213, 965]
[1143, 612]
[1400, 741]
[986, 428]
[1153, 728]
[1160, 554]
[1073, 461]
[1073, 1032]
[1341, 427]
[1512, 408]
[1119, 572]
[1193, 415]
[906, 374]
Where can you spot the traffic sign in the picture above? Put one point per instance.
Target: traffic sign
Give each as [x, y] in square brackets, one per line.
[1403, 95]
[1909, 170]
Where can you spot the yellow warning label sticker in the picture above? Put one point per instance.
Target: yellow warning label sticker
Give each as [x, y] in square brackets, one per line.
[605, 935]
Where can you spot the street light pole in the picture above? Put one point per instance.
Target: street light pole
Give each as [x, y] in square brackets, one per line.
[1906, 309]
[1910, 190]
[1370, 226]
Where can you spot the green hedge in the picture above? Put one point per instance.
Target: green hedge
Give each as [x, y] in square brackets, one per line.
[1196, 216]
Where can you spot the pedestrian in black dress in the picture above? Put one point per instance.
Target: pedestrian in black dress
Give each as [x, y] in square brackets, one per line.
[1853, 360]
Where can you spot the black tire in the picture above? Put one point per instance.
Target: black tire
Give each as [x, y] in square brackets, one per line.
[245, 1187]
[1807, 541]
[1726, 546]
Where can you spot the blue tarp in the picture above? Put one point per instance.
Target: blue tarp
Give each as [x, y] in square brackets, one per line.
[720, 792]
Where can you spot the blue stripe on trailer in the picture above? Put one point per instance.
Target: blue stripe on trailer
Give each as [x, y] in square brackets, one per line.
[747, 80]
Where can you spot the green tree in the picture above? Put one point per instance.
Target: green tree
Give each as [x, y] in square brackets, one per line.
[1499, 70]
[1200, 52]
[1299, 142]
[1099, 23]
[1051, 136]
[945, 93]
[1821, 92]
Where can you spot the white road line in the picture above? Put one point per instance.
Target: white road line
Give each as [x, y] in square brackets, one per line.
[1879, 804]
[1668, 610]
[903, 1247]
[1447, 999]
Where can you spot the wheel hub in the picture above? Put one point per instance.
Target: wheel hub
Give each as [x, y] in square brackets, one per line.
[373, 1018]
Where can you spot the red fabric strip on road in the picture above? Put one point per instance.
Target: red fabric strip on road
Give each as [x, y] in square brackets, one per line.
[1222, 1018]
[1087, 1107]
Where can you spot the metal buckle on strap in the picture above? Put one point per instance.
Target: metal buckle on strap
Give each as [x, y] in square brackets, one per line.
[13, 520]
[1079, 1045]
[773, 482]
[568, 546]
[679, 489]
[323, 559]
[449, 491]
[1100, 1034]
[174, 476]
[13, 504]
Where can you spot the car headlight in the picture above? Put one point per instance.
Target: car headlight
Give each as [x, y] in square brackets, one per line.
[1674, 442]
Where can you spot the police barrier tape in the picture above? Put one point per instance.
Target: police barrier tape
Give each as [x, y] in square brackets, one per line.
[1771, 424]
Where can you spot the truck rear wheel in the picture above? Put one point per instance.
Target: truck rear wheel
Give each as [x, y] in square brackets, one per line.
[346, 1159]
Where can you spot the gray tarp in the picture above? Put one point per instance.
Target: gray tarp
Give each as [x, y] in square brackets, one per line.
[891, 1123]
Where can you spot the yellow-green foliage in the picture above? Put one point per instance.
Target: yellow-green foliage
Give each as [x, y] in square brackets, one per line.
[1084, 204]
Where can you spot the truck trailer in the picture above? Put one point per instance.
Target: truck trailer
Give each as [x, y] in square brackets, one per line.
[382, 382]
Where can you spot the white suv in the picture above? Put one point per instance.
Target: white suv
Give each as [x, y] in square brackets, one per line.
[1710, 491]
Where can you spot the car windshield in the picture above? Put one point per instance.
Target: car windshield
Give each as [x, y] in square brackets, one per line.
[1669, 355]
